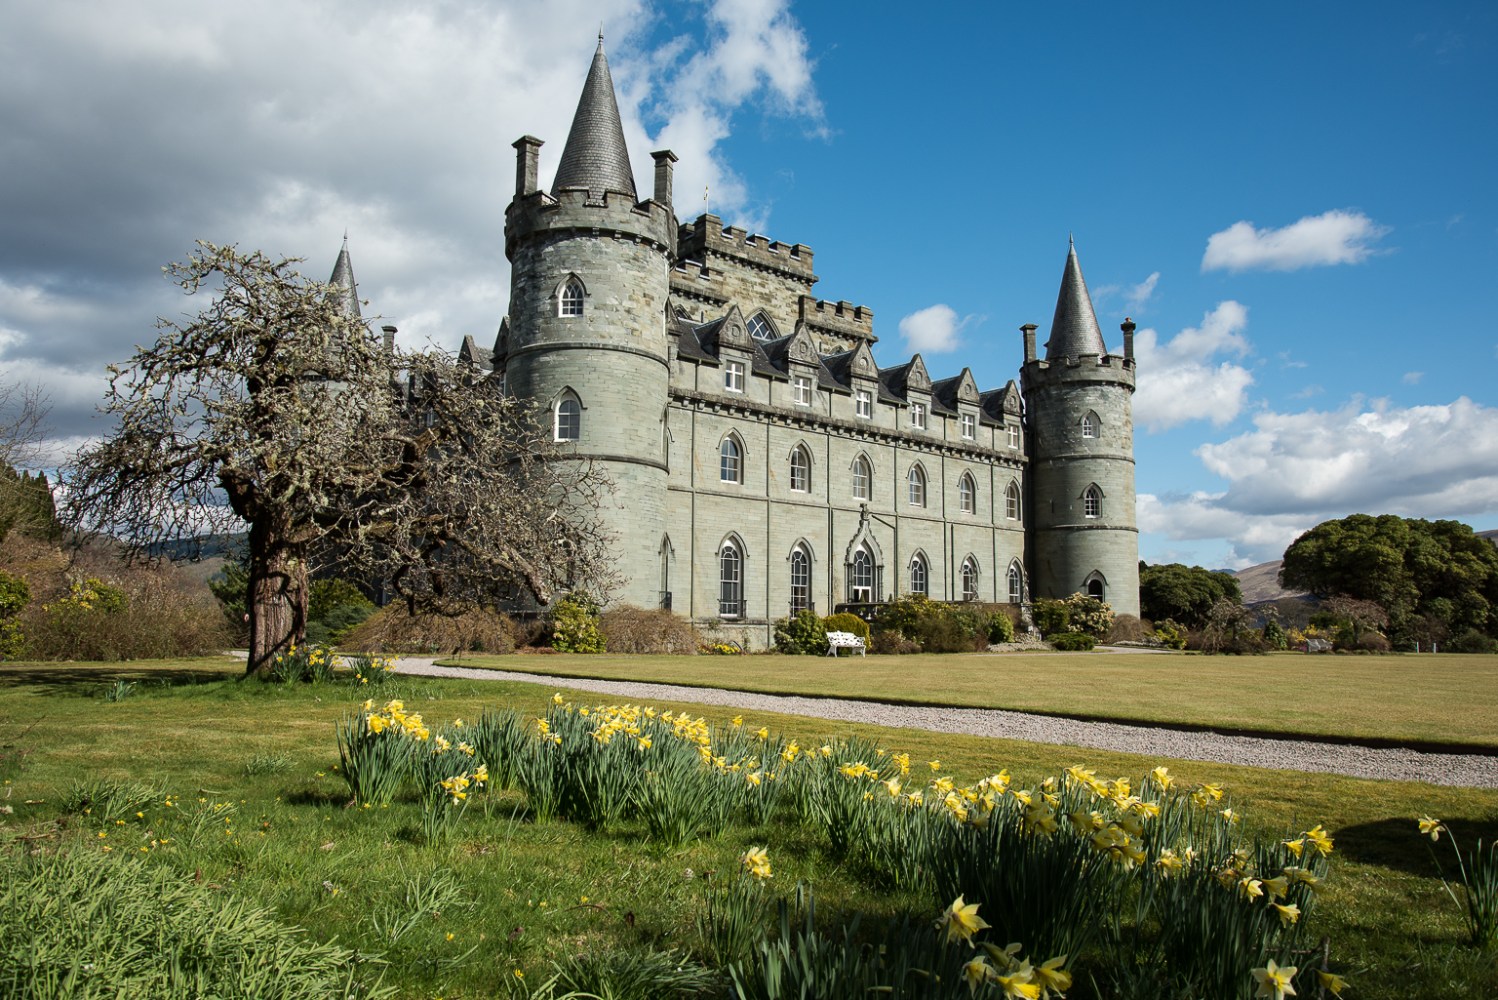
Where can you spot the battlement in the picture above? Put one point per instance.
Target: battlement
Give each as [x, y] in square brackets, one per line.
[838, 317]
[1104, 368]
[708, 235]
[573, 209]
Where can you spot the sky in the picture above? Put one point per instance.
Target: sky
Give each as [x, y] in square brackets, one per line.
[1295, 202]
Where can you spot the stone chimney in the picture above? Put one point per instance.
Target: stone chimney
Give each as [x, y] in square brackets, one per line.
[527, 163]
[1029, 331]
[663, 169]
[1127, 326]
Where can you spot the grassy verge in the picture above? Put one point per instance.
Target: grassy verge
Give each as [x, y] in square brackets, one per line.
[258, 812]
[1404, 699]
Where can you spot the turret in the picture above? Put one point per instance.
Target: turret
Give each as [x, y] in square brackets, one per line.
[1079, 406]
[587, 338]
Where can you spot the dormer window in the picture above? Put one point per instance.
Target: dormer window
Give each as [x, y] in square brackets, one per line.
[969, 427]
[918, 416]
[801, 389]
[760, 328]
[863, 404]
[733, 376]
[570, 302]
[1013, 431]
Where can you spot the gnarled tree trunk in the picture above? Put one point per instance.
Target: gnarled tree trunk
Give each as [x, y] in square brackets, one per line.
[278, 596]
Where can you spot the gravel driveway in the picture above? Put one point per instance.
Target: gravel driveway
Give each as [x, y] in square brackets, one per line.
[1461, 770]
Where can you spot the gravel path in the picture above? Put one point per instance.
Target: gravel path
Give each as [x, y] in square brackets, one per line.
[1461, 770]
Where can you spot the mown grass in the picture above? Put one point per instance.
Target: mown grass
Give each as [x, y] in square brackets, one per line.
[1405, 699]
[532, 893]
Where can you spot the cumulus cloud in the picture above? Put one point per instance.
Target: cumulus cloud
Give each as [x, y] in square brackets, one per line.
[129, 133]
[933, 330]
[1294, 470]
[1179, 381]
[1335, 237]
[1138, 296]
[1412, 378]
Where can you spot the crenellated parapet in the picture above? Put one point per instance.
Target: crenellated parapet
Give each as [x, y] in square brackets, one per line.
[842, 318]
[1100, 369]
[705, 237]
[574, 211]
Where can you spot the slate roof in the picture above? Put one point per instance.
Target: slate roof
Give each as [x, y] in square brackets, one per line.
[1074, 329]
[343, 278]
[595, 156]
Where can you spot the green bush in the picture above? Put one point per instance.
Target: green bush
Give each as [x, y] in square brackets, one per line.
[1072, 642]
[1472, 641]
[1274, 635]
[946, 628]
[1171, 634]
[1052, 616]
[1086, 613]
[575, 625]
[802, 635]
[845, 622]
[14, 594]
[1000, 626]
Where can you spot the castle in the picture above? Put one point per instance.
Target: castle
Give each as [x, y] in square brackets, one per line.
[762, 461]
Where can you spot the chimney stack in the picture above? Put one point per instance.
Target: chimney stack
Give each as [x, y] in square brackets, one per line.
[1127, 326]
[527, 161]
[1029, 332]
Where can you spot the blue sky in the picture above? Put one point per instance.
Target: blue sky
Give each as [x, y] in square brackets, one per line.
[1295, 202]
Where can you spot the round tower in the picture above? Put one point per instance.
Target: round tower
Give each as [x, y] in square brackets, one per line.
[1079, 407]
[589, 274]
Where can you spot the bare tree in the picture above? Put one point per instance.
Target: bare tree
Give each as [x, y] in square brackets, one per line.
[274, 409]
[23, 414]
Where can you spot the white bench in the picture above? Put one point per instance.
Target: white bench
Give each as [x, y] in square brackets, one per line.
[845, 640]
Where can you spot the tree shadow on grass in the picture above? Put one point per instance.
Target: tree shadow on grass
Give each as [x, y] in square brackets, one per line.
[1397, 844]
[88, 681]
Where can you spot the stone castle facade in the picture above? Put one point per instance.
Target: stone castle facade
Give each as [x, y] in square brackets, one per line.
[762, 461]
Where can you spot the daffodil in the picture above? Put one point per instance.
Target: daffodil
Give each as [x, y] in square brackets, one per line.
[1052, 978]
[1331, 982]
[1162, 778]
[961, 921]
[1431, 827]
[1020, 983]
[1275, 981]
[977, 972]
[1297, 846]
[1289, 913]
[756, 862]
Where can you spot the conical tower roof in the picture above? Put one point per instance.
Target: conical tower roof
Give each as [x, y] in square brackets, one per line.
[343, 279]
[1074, 329]
[595, 157]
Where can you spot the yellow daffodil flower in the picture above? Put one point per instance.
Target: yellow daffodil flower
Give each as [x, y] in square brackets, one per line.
[960, 921]
[1296, 846]
[977, 972]
[1289, 913]
[1331, 982]
[1320, 839]
[1275, 981]
[1162, 778]
[1431, 827]
[1052, 978]
[756, 862]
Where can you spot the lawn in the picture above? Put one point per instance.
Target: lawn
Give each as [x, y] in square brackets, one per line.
[1406, 700]
[518, 895]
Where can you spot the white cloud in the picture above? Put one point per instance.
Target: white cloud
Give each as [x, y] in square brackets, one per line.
[1294, 470]
[1178, 381]
[1412, 378]
[1139, 295]
[1335, 237]
[933, 330]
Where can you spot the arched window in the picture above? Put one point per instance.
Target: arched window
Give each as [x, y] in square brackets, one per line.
[800, 470]
[1011, 502]
[730, 581]
[969, 579]
[568, 425]
[800, 579]
[760, 327]
[1096, 586]
[1016, 584]
[861, 575]
[570, 302]
[967, 494]
[730, 461]
[1092, 502]
[863, 479]
[916, 486]
[1090, 425]
[920, 576]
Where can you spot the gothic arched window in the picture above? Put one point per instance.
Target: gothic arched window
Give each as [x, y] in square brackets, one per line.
[730, 580]
[570, 302]
[568, 425]
[916, 486]
[1011, 502]
[920, 576]
[800, 579]
[967, 494]
[861, 575]
[1016, 584]
[800, 470]
[1092, 502]
[1096, 586]
[760, 327]
[730, 461]
[1090, 425]
[863, 479]
[969, 579]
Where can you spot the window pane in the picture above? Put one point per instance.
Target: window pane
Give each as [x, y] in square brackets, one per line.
[572, 299]
[728, 461]
[800, 580]
[569, 420]
[800, 471]
[730, 582]
[918, 583]
[861, 477]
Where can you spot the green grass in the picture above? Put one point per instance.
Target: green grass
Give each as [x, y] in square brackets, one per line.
[1405, 699]
[519, 899]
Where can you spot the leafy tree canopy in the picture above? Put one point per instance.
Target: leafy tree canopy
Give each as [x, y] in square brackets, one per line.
[1419, 572]
[1185, 594]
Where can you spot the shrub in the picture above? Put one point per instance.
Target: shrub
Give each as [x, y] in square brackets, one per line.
[1052, 616]
[148, 613]
[1472, 641]
[1088, 614]
[1171, 634]
[574, 624]
[946, 628]
[1372, 642]
[14, 595]
[801, 635]
[1000, 626]
[845, 622]
[1275, 636]
[393, 629]
[892, 643]
[628, 629]
[1127, 628]
[1072, 642]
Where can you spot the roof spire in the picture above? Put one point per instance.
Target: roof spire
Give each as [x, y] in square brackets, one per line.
[343, 280]
[1074, 329]
[595, 156]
